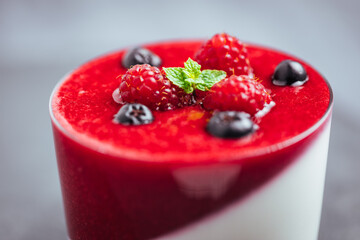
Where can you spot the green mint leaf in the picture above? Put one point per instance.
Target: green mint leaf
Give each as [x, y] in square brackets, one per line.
[176, 76]
[191, 77]
[192, 69]
[202, 87]
[210, 77]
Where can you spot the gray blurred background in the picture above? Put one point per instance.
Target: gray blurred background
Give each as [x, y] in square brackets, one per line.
[42, 40]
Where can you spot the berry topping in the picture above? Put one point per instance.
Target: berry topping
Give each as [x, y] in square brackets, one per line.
[146, 85]
[140, 55]
[224, 52]
[237, 93]
[230, 124]
[289, 72]
[134, 114]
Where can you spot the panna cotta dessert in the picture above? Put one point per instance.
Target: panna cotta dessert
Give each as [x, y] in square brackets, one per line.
[192, 140]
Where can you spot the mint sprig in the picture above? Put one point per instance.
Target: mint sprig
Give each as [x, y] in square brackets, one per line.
[191, 77]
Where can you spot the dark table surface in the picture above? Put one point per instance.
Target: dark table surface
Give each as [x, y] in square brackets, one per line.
[42, 40]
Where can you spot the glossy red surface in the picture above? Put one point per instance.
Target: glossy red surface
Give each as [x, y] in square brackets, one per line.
[142, 182]
[84, 101]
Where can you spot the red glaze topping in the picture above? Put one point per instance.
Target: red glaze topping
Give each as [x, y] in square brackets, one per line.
[84, 106]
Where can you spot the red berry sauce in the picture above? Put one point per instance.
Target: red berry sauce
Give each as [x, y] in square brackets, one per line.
[119, 182]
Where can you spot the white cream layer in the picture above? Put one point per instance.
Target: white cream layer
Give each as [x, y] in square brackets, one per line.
[286, 208]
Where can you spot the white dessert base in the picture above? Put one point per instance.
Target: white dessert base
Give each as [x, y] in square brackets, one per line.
[286, 208]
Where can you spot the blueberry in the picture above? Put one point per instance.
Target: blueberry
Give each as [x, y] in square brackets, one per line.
[230, 124]
[140, 55]
[289, 72]
[134, 114]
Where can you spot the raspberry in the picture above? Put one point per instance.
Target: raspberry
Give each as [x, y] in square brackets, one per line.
[237, 93]
[146, 85]
[224, 52]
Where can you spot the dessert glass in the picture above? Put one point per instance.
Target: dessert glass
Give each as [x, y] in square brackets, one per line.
[274, 193]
